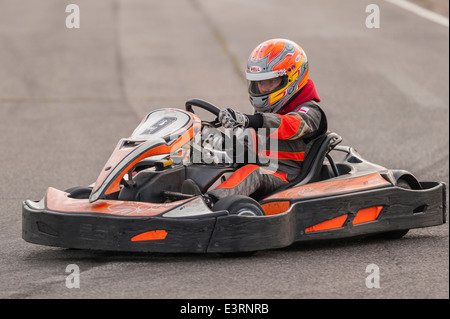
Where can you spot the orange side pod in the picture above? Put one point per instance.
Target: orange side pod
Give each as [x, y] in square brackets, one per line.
[367, 215]
[274, 208]
[364, 215]
[333, 223]
[150, 235]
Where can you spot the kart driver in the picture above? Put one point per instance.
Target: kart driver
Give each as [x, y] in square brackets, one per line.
[285, 100]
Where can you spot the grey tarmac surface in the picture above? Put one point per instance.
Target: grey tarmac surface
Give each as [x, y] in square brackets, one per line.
[68, 95]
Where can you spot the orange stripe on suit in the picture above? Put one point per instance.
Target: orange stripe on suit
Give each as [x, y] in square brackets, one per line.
[290, 125]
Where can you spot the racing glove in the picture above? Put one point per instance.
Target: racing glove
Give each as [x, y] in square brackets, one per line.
[232, 119]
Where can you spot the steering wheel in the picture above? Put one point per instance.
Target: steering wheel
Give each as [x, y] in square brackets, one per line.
[203, 105]
[214, 110]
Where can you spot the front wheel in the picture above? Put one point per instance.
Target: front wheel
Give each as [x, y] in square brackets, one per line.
[79, 192]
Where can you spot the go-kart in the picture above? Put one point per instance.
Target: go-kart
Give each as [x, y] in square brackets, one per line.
[137, 203]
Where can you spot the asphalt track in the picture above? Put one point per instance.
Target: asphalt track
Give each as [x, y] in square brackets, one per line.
[68, 95]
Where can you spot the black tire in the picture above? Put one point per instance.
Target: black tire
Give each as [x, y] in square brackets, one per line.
[243, 206]
[239, 205]
[402, 183]
[79, 192]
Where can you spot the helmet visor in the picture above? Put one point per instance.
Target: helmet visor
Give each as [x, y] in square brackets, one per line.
[266, 87]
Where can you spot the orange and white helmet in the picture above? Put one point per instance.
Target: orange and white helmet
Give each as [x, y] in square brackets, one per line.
[272, 59]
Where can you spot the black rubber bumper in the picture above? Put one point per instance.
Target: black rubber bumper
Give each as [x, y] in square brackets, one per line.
[221, 233]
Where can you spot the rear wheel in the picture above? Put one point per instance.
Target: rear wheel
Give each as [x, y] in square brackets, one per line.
[239, 205]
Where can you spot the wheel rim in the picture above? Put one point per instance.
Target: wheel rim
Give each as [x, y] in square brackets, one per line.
[246, 212]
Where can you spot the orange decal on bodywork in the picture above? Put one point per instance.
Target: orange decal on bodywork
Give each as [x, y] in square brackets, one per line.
[57, 200]
[273, 208]
[150, 235]
[367, 214]
[333, 187]
[333, 223]
[161, 149]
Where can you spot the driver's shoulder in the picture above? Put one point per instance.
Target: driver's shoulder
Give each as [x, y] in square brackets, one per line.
[305, 107]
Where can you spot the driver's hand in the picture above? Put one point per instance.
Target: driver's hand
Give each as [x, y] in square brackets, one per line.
[232, 119]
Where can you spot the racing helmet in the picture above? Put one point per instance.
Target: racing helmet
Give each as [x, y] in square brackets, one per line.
[272, 59]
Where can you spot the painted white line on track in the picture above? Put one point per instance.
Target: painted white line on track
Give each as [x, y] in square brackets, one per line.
[424, 13]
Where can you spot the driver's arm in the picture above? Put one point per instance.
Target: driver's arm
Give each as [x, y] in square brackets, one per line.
[302, 123]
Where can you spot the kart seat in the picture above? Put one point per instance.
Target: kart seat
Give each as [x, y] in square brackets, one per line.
[314, 160]
[312, 166]
[317, 150]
